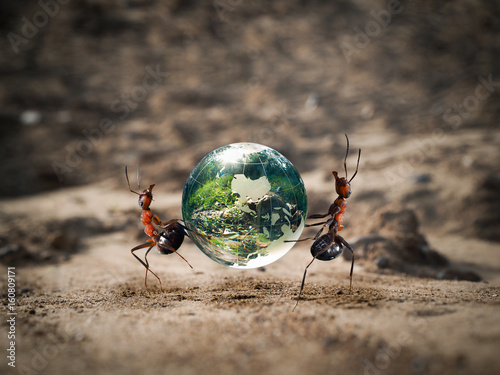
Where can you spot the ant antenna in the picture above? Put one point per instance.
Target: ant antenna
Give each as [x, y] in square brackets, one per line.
[357, 166]
[128, 183]
[346, 153]
[138, 180]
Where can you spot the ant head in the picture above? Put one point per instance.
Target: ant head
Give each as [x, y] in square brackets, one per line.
[146, 198]
[342, 186]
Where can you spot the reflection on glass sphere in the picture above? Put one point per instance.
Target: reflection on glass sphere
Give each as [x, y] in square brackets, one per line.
[242, 202]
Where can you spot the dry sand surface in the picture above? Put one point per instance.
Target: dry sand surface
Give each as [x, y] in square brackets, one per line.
[423, 216]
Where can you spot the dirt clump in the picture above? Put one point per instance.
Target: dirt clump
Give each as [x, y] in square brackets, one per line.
[393, 243]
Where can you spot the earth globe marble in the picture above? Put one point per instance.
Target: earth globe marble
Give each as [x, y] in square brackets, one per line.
[242, 202]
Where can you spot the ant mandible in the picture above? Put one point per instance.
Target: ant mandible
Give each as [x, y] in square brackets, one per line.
[167, 241]
[330, 245]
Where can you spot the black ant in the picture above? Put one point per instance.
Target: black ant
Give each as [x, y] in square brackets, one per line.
[330, 245]
[167, 241]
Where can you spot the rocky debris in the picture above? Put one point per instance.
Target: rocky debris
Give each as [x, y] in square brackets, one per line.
[25, 241]
[484, 212]
[393, 243]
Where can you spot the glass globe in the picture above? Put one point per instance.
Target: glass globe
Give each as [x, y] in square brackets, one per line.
[242, 202]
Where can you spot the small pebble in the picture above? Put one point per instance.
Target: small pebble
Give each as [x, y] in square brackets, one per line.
[421, 178]
[457, 274]
[30, 117]
[382, 262]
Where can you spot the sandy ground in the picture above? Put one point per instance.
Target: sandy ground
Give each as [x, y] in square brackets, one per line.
[423, 216]
[92, 313]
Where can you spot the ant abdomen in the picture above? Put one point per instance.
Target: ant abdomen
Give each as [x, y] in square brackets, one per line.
[170, 239]
[324, 248]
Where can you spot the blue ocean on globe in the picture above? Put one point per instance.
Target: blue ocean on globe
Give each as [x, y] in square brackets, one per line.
[242, 202]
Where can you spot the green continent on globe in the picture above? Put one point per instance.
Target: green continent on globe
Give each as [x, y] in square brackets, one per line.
[242, 202]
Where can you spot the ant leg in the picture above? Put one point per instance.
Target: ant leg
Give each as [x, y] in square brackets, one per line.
[164, 224]
[187, 230]
[151, 244]
[305, 272]
[303, 239]
[175, 251]
[185, 260]
[308, 238]
[316, 224]
[328, 222]
[352, 263]
[318, 216]
[332, 211]
[302, 285]
[148, 269]
[319, 232]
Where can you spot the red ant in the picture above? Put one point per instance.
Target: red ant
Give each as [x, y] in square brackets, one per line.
[330, 245]
[167, 241]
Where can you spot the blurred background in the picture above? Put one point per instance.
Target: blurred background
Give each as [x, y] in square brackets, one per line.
[87, 87]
